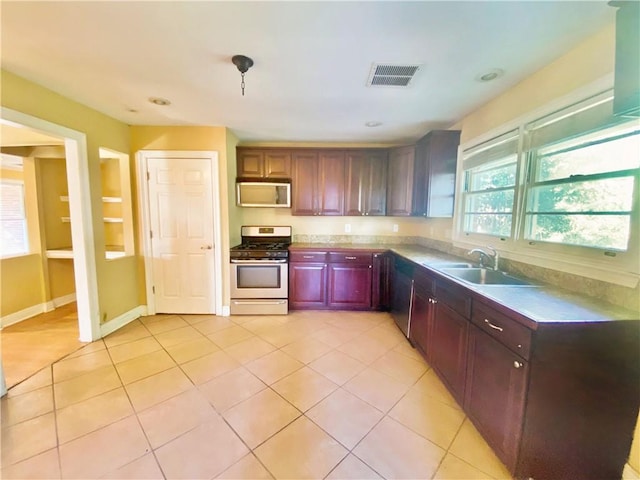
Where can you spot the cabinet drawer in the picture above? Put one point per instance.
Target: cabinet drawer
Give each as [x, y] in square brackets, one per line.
[454, 296]
[312, 257]
[359, 258]
[424, 283]
[511, 334]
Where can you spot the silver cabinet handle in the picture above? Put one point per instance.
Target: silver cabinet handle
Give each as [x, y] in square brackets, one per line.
[307, 256]
[495, 327]
[350, 258]
[206, 247]
[517, 364]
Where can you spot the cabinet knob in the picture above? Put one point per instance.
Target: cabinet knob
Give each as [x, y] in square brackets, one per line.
[517, 364]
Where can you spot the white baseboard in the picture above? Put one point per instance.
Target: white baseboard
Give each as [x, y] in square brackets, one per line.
[65, 300]
[34, 310]
[119, 322]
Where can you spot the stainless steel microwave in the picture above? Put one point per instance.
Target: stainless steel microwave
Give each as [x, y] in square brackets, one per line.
[263, 194]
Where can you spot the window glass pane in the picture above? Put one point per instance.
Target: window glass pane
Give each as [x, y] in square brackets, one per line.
[591, 155]
[488, 224]
[500, 201]
[494, 175]
[607, 195]
[607, 232]
[13, 225]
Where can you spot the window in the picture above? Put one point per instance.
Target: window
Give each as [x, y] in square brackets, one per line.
[13, 221]
[490, 185]
[580, 192]
[563, 187]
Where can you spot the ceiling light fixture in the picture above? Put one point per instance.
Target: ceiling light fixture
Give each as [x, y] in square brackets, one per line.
[243, 63]
[373, 124]
[163, 102]
[490, 75]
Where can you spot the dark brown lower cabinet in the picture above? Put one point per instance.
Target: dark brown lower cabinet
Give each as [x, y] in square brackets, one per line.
[495, 393]
[422, 309]
[449, 347]
[307, 285]
[349, 286]
[381, 281]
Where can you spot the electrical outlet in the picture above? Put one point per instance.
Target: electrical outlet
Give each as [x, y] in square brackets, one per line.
[347, 228]
[395, 227]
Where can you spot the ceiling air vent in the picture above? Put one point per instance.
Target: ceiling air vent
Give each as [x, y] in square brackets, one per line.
[385, 75]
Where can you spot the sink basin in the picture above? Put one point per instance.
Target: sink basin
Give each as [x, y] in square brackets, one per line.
[449, 265]
[483, 276]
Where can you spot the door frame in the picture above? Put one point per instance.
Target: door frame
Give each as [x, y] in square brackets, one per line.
[145, 224]
[82, 235]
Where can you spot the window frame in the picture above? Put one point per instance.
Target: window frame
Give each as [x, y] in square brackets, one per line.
[621, 267]
[25, 219]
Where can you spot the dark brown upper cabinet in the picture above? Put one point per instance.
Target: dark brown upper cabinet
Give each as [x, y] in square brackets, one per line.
[366, 182]
[318, 182]
[434, 182]
[400, 174]
[626, 100]
[263, 163]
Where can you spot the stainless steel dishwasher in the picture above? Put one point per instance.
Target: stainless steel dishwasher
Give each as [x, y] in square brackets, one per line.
[402, 287]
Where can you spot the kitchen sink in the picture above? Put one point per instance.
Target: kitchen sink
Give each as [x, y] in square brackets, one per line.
[442, 265]
[484, 276]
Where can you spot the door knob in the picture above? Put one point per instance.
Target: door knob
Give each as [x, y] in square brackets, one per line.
[206, 247]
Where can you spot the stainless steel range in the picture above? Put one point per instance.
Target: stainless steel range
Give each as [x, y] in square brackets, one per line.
[260, 271]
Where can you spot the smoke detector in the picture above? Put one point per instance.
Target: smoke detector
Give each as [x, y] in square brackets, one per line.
[389, 75]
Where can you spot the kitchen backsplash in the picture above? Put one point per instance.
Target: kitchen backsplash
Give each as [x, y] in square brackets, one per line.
[618, 295]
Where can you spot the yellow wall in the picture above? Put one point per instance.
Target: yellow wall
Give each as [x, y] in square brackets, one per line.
[116, 296]
[25, 271]
[192, 138]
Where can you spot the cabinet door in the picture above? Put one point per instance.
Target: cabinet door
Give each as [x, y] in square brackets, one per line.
[400, 181]
[355, 175]
[421, 321]
[277, 164]
[349, 286]
[381, 281]
[495, 395]
[331, 183]
[375, 190]
[365, 183]
[307, 285]
[250, 163]
[449, 348]
[304, 184]
[435, 173]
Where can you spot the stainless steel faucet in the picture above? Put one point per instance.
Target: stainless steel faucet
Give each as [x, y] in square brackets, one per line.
[494, 256]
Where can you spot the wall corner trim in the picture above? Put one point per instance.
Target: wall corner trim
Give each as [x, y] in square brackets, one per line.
[122, 320]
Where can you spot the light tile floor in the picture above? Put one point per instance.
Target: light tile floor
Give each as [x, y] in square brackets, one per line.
[338, 395]
[37, 342]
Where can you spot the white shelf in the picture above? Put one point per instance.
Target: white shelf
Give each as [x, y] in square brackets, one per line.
[105, 220]
[67, 253]
[65, 198]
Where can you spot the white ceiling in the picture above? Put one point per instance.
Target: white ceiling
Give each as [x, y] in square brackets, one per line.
[312, 60]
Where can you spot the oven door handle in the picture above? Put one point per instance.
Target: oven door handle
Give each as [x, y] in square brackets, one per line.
[259, 262]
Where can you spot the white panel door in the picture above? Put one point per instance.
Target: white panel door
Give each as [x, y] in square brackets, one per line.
[181, 215]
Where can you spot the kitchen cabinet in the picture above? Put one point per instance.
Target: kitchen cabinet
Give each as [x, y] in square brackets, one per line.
[318, 183]
[422, 310]
[349, 282]
[449, 348]
[400, 181]
[626, 88]
[366, 182]
[336, 279]
[435, 174]
[307, 280]
[263, 163]
[495, 393]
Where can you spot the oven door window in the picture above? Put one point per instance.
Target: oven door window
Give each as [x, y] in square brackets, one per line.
[258, 276]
